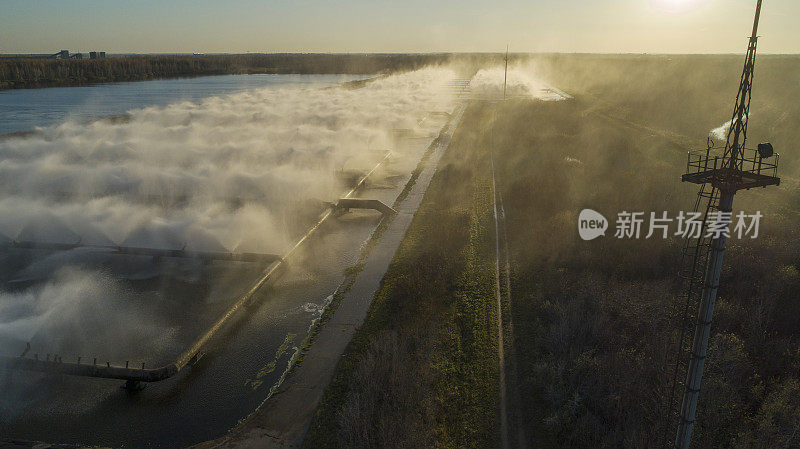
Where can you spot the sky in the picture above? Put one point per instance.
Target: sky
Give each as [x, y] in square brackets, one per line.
[240, 26]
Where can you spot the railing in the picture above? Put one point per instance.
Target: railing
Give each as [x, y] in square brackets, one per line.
[748, 161]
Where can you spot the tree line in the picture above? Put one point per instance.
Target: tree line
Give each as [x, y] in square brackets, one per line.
[33, 73]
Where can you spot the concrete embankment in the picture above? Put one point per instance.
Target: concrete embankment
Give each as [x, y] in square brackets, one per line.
[283, 419]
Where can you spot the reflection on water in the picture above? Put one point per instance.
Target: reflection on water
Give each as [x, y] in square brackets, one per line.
[25, 109]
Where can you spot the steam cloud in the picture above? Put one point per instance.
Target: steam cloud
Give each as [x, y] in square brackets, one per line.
[721, 132]
[488, 83]
[166, 177]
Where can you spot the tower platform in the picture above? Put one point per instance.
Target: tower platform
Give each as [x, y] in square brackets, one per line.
[706, 167]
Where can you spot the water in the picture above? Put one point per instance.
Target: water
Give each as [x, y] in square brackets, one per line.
[248, 357]
[26, 109]
[239, 368]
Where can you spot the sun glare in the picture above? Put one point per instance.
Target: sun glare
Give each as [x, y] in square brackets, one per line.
[676, 6]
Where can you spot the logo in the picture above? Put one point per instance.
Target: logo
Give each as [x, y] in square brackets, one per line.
[690, 225]
[591, 224]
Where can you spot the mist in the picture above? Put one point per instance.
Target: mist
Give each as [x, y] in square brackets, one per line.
[520, 82]
[230, 173]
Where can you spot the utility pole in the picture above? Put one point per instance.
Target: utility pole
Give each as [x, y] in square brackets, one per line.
[505, 76]
[736, 169]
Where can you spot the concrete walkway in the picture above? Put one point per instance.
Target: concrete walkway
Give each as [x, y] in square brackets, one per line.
[283, 419]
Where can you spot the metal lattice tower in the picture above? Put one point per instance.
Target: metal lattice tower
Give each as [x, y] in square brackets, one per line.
[721, 172]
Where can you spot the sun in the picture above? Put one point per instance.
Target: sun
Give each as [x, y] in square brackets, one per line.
[676, 6]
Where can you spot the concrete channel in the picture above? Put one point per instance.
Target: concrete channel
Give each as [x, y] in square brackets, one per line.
[283, 419]
[248, 358]
[134, 376]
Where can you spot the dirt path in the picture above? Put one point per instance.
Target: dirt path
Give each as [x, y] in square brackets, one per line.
[505, 324]
[500, 343]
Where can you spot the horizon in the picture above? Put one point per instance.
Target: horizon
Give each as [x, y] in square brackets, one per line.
[357, 26]
[378, 53]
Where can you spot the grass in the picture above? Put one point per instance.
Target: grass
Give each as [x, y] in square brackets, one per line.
[422, 369]
[592, 319]
[352, 271]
